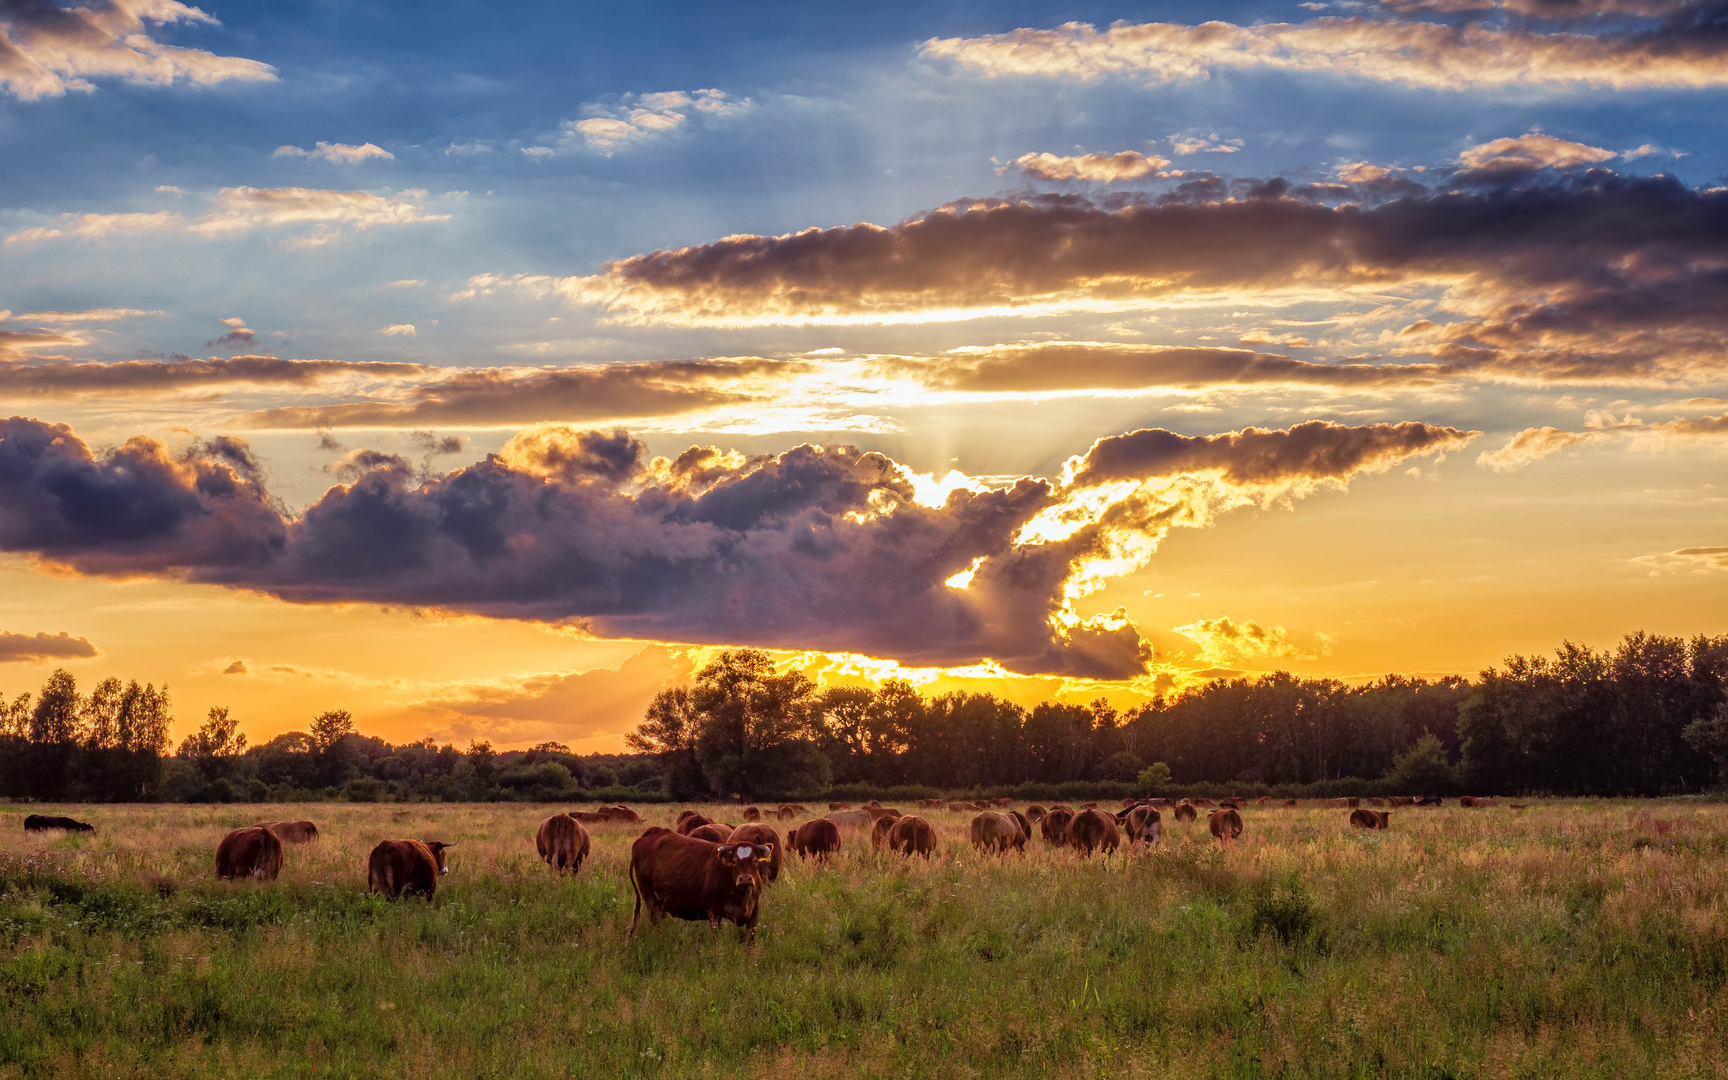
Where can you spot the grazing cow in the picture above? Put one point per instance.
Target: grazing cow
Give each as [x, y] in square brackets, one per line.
[1376, 802]
[1230, 804]
[1004, 803]
[818, 839]
[1471, 801]
[1025, 826]
[761, 836]
[1353, 802]
[398, 868]
[1093, 830]
[960, 806]
[688, 878]
[41, 823]
[879, 830]
[1054, 826]
[1143, 825]
[714, 832]
[912, 835]
[1430, 800]
[786, 812]
[851, 819]
[1289, 804]
[752, 813]
[996, 832]
[839, 806]
[1202, 802]
[1400, 800]
[292, 832]
[689, 821]
[562, 842]
[1519, 806]
[1370, 819]
[1225, 823]
[1184, 811]
[1035, 812]
[621, 813]
[877, 813]
[252, 852]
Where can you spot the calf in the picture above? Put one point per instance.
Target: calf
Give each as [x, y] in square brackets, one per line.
[292, 832]
[252, 852]
[911, 835]
[760, 836]
[40, 823]
[397, 868]
[562, 842]
[996, 832]
[818, 839]
[1226, 824]
[1369, 819]
[1093, 830]
[688, 878]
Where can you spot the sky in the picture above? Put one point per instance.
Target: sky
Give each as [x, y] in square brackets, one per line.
[482, 371]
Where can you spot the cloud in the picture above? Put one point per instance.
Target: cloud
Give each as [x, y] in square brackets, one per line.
[337, 153]
[238, 667]
[242, 209]
[1533, 444]
[1675, 45]
[1713, 558]
[97, 226]
[826, 548]
[588, 393]
[39, 647]
[47, 50]
[1032, 367]
[1226, 641]
[95, 315]
[71, 379]
[238, 337]
[1542, 277]
[1531, 152]
[19, 345]
[405, 329]
[606, 129]
[1105, 168]
[1204, 144]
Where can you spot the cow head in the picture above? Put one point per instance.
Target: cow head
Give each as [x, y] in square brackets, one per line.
[437, 848]
[746, 862]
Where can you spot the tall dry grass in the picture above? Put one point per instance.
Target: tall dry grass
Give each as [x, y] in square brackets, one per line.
[1570, 939]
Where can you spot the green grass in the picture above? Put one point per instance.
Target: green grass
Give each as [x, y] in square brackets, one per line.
[1567, 940]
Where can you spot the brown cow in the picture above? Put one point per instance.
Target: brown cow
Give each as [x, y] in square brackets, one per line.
[1225, 823]
[786, 812]
[752, 813]
[562, 842]
[689, 821]
[877, 813]
[622, 813]
[1289, 804]
[960, 806]
[1093, 830]
[1143, 825]
[688, 878]
[1202, 802]
[46, 823]
[872, 804]
[839, 806]
[1370, 819]
[291, 832]
[399, 867]
[1376, 801]
[714, 832]
[1035, 812]
[1400, 800]
[997, 832]
[1230, 804]
[879, 830]
[1472, 801]
[253, 852]
[1353, 802]
[818, 839]
[851, 819]
[912, 835]
[1184, 811]
[1264, 800]
[760, 836]
[1519, 806]
[591, 817]
[1054, 826]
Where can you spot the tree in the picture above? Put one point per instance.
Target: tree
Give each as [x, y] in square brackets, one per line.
[755, 726]
[1709, 737]
[55, 722]
[669, 733]
[330, 726]
[217, 737]
[1423, 769]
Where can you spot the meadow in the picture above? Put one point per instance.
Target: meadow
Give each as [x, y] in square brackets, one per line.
[1570, 939]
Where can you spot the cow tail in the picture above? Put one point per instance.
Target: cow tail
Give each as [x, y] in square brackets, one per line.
[635, 887]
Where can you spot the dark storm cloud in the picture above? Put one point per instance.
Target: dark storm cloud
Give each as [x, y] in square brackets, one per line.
[817, 547]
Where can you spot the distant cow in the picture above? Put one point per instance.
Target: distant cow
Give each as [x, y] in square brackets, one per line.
[688, 878]
[1430, 800]
[1353, 802]
[877, 813]
[1035, 812]
[1226, 824]
[996, 832]
[1472, 801]
[752, 813]
[1376, 802]
[960, 806]
[1184, 811]
[689, 821]
[760, 836]
[1202, 802]
[1519, 806]
[562, 842]
[818, 839]
[1143, 824]
[621, 813]
[1289, 804]
[292, 832]
[839, 806]
[1093, 830]
[41, 823]
[252, 852]
[786, 812]
[1054, 826]
[851, 819]
[1265, 800]
[912, 835]
[1370, 819]
[1400, 800]
[714, 832]
[1231, 804]
[398, 868]
[592, 817]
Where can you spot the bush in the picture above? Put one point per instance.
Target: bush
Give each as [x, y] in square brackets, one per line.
[365, 789]
[1423, 769]
[1154, 778]
[1286, 911]
[1121, 766]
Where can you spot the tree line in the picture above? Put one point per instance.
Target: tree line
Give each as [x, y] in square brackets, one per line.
[1647, 717]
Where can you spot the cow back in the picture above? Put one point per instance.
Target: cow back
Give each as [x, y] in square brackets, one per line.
[912, 835]
[253, 852]
[1092, 830]
[398, 868]
[1225, 824]
[819, 838]
[689, 821]
[562, 842]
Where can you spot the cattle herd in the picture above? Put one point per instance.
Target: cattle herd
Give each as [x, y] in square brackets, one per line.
[714, 870]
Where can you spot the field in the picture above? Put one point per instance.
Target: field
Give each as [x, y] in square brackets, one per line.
[1570, 939]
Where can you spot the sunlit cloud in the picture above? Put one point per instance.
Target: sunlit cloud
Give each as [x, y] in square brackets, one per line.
[1104, 168]
[47, 50]
[337, 153]
[636, 118]
[93, 315]
[97, 226]
[1204, 144]
[238, 210]
[1227, 641]
[1534, 444]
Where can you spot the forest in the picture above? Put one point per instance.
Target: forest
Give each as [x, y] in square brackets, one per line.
[1648, 717]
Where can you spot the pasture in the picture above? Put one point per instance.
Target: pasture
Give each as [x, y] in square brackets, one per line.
[1569, 939]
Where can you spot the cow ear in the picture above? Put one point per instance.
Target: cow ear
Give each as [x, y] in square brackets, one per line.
[767, 851]
[727, 854]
